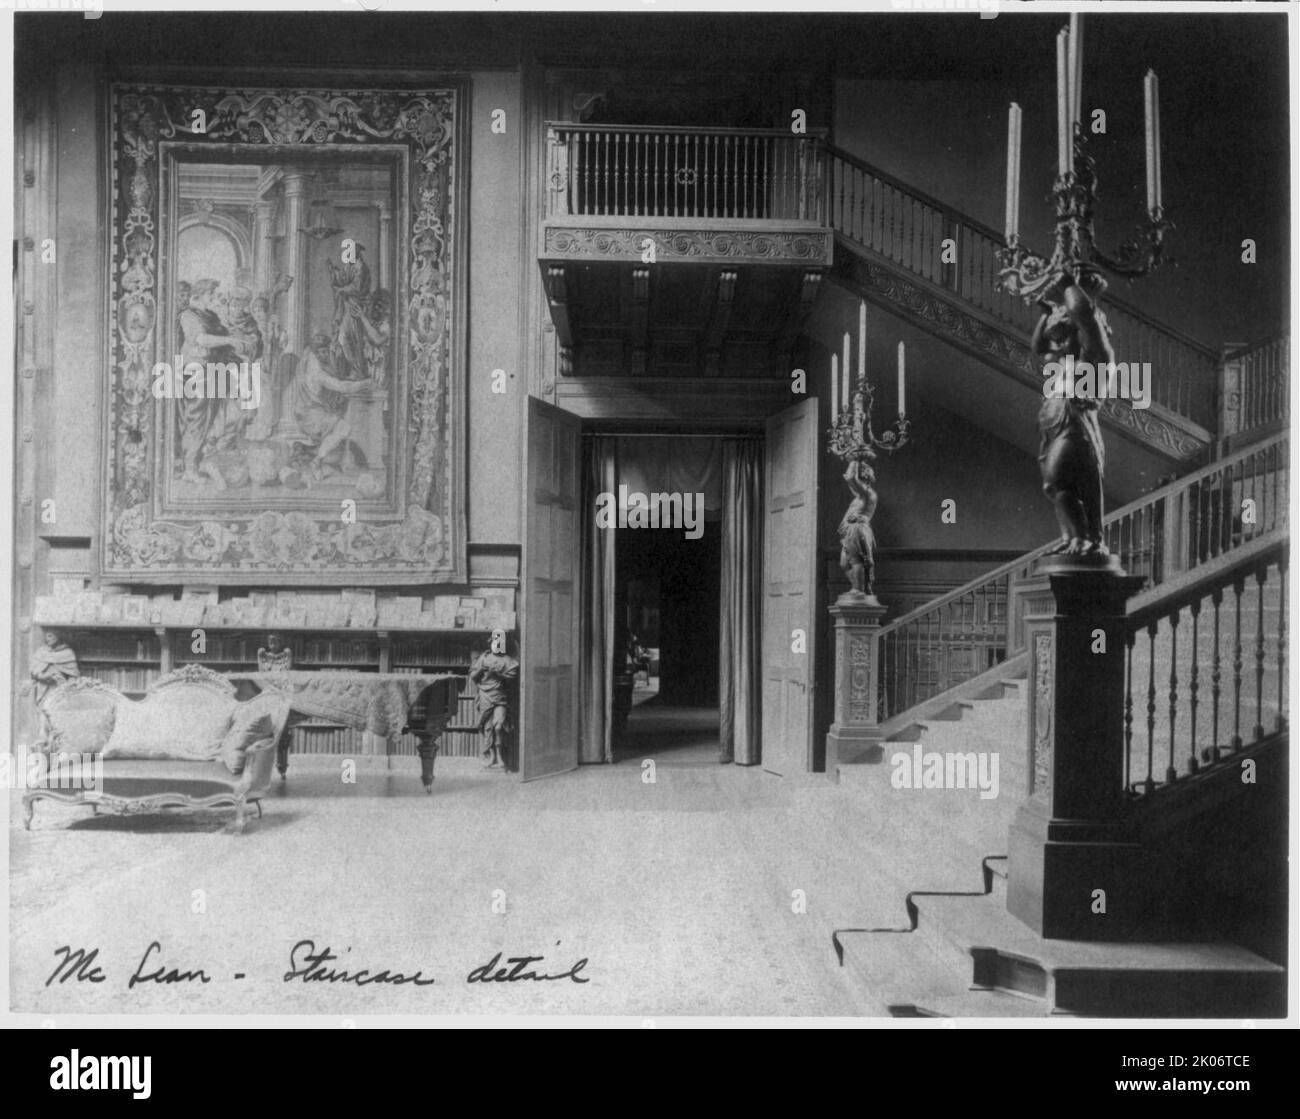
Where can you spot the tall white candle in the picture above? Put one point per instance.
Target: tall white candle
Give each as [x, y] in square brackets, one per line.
[835, 387]
[1013, 171]
[847, 367]
[902, 380]
[1076, 67]
[862, 340]
[1152, 90]
[1062, 106]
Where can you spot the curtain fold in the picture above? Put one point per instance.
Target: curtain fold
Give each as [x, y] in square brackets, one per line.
[596, 656]
[740, 695]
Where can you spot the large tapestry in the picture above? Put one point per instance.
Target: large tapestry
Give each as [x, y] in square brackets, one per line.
[285, 397]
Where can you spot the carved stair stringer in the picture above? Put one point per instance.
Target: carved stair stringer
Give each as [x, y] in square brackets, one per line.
[946, 316]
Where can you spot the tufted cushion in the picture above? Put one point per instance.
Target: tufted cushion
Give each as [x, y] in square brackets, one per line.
[258, 719]
[182, 723]
[81, 721]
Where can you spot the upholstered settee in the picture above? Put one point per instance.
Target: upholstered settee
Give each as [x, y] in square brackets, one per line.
[188, 743]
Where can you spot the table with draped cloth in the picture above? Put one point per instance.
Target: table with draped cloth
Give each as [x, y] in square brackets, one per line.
[379, 704]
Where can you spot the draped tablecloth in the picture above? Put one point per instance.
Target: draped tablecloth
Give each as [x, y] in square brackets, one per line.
[369, 701]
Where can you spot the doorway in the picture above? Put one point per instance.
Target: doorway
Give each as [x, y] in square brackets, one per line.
[762, 547]
[668, 622]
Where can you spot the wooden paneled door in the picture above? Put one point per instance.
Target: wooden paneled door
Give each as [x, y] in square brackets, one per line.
[548, 735]
[789, 589]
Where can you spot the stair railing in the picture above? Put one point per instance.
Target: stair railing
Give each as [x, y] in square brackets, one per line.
[1205, 666]
[1256, 387]
[874, 211]
[1203, 516]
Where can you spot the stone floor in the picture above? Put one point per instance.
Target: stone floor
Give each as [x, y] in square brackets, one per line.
[712, 891]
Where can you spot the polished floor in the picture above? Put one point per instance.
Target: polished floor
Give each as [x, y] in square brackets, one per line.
[712, 890]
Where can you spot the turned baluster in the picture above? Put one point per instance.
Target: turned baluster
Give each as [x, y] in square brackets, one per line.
[1150, 782]
[1192, 763]
[1171, 774]
[1129, 638]
[1237, 588]
[1260, 576]
[1216, 674]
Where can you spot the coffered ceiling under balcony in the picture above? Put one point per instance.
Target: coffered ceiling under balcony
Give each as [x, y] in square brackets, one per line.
[678, 320]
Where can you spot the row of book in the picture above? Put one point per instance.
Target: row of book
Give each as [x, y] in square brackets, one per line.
[346, 609]
[117, 647]
[125, 679]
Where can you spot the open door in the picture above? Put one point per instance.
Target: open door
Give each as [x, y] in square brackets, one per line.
[548, 735]
[789, 586]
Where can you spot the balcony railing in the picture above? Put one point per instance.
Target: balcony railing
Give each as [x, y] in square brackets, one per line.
[731, 175]
[877, 212]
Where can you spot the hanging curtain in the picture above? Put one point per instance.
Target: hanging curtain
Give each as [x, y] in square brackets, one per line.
[740, 698]
[596, 665]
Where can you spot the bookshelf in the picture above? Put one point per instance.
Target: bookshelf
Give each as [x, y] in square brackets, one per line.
[130, 658]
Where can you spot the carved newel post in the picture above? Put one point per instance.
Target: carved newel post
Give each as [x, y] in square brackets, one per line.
[1071, 838]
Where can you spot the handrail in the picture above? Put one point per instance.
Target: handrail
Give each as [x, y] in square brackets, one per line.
[1152, 606]
[1248, 348]
[688, 130]
[1173, 488]
[994, 235]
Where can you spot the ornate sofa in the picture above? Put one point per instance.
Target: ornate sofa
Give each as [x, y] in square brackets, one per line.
[189, 743]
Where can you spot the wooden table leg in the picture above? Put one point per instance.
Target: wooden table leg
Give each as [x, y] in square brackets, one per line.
[428, 751]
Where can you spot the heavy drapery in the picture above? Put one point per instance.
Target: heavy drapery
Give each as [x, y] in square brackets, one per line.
[596, 667]
[740, 698]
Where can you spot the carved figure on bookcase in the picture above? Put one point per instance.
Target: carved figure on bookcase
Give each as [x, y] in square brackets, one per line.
[494, 673]
[51, 665]
[274, 657]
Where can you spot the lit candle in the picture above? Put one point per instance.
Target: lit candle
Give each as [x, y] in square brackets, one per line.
[1076, 67]
[835, 388]
[862, 340]
[847, 367]
[1151, 87]
[1062, 106]
[1013, 172]
[902, 380]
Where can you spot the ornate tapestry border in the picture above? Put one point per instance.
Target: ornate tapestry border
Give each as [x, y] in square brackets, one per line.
[268, 546]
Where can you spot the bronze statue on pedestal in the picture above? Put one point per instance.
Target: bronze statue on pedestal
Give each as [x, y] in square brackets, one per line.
[1071, 453]
[857, 541]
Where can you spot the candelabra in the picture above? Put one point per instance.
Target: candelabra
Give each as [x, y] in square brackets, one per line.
[1075, 251]
[851, 434]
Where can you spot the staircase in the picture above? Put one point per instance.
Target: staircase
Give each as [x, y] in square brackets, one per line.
[1205, 676]
[889, 249]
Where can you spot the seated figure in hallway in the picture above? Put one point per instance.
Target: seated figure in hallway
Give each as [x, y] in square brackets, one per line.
[493, 672]
[52, 664]
[1071, 454]
[857, 541]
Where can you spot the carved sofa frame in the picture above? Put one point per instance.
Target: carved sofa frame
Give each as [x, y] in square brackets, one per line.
[81, 714]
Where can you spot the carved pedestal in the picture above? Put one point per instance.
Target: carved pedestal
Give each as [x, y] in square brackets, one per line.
[855, 735]
[1071, 838]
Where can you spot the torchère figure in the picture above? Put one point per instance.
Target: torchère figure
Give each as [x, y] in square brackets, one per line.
[857, 540]
[493, 673]
[1071, 455]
